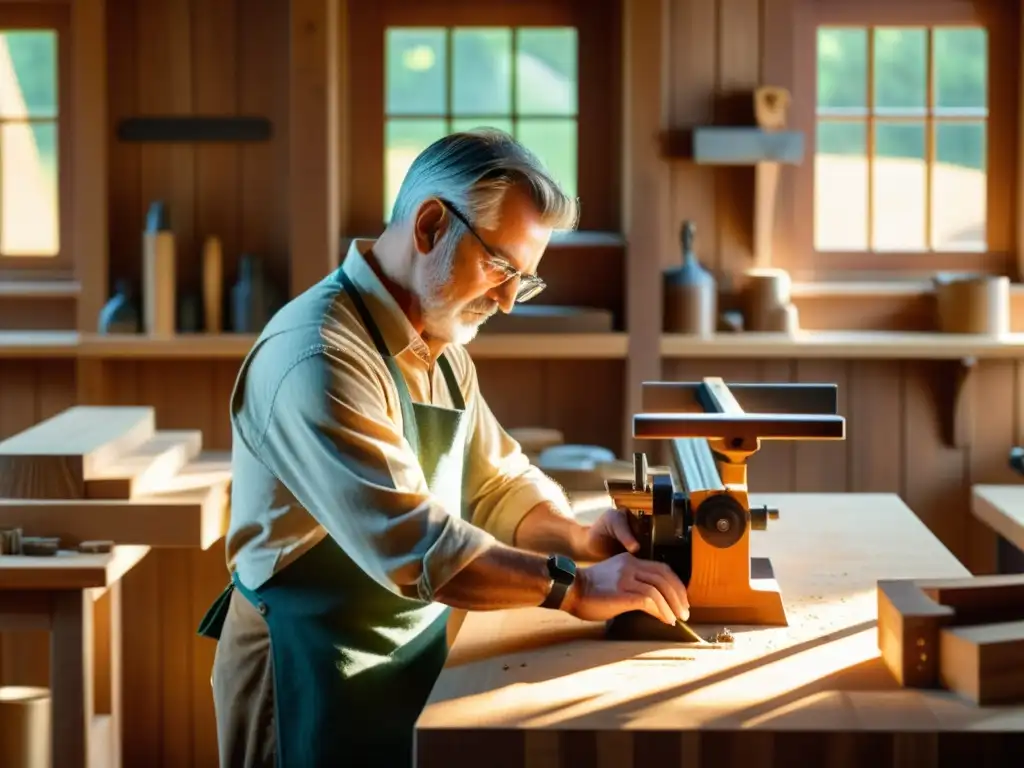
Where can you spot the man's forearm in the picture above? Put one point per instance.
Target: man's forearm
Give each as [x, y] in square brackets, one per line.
[501, 577]
[547, 531]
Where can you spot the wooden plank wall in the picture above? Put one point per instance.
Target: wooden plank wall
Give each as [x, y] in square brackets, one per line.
[209, 57]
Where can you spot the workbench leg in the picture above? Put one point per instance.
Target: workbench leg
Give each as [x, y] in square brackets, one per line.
[1009, 559]
[107, 673]
[71, 678]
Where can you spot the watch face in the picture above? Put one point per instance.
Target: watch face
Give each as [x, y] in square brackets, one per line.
[563, 568]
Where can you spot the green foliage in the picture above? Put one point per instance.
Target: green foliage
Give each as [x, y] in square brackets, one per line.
[34, 56]
[901, 88]
[34, 59]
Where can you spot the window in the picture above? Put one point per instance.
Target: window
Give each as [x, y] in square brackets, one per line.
[520, 79]
[548, 71]
[29, 111]
[900, 137]
[910, 115]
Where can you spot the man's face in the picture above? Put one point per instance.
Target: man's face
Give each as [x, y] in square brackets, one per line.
[458, 290]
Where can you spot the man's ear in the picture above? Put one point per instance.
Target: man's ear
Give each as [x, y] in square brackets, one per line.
[429, 225]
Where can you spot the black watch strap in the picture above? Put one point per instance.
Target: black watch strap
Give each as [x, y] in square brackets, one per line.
[563, 573]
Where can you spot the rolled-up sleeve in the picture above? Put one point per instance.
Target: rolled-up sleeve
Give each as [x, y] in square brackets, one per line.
[502, 486]
[332, 440]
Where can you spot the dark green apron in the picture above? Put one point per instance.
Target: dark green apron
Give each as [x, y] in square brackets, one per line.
[353, 663]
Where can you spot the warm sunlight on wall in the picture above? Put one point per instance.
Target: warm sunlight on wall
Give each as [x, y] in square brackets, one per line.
[29, 212]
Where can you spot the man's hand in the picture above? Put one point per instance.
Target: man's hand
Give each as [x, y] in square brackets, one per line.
[625, 583]
[607, 537]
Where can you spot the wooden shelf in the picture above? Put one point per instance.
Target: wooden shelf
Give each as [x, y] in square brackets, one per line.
[733, 145]
[36, 344]
[558, 346]
[523, 346]
[838, 345]
[40, 289]
[198, 346]
[845, 345]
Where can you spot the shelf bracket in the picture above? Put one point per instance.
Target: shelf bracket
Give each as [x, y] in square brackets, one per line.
[955, 387]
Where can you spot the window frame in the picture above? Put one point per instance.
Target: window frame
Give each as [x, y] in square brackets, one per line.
[55, 17]
[598, 103]
[1003, 69]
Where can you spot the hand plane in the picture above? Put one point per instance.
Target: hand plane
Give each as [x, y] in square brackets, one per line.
[697, 517]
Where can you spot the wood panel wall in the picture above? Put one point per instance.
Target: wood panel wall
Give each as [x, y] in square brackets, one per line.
[201, 57]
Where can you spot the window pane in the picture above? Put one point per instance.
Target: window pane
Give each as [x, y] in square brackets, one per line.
[403, 140]
[898, 187]
[959, 187]
[901, 64]
[841, 187]
[28, 190]
[28, 73]
[546, 79]
[842, 68]
[416, 83]
[554, 141]
[469, 123]
[482, 71]
[961, 68]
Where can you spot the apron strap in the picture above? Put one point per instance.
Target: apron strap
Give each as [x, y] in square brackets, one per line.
[454, 391]
[453, 384]
[409, 427]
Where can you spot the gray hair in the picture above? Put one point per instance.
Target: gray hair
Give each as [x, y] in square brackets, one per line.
[473, 170]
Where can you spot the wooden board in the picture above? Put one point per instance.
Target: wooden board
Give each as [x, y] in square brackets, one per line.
[965, 635]
[540, 688]
[189, 509]
[148, 467]
[54, 458]
[1001, 507]
[68, 570]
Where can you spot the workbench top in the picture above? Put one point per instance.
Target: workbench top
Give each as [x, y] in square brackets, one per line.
[68, 569]
[1001, 507]
[540, 688]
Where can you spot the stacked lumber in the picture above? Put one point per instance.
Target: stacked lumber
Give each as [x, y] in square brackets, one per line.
[92, 477]
[964, 635]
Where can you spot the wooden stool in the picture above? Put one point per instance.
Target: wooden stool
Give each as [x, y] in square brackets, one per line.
[24, 727]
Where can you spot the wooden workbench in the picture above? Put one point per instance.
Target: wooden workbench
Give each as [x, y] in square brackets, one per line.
[1001, 507]
[539, 688]
[76, 598]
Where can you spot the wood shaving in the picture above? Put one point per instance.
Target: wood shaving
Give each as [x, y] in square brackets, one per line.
[722, 636]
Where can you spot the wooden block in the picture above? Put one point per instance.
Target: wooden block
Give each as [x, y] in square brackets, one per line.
[190, 510]
[53, 459]
[771, 104]
[159, 307]
[146, 468]
[966, 635]
[983, 662]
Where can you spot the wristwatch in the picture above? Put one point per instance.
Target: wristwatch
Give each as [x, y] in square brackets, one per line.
[563, 573]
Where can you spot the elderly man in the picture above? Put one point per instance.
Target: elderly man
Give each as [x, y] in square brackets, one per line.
[373, 488]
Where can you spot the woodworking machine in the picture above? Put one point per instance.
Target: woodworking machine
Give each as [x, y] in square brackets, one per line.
[697, 517]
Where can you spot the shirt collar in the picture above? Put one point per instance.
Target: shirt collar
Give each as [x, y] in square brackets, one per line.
[394, 325]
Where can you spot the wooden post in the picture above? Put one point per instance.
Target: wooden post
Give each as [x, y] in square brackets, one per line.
[645, 195]
[89, 241]
[313, 128]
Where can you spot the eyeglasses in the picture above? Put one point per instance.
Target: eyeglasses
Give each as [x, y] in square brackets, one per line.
[529, 285]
